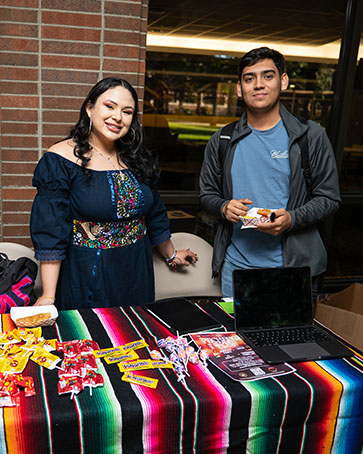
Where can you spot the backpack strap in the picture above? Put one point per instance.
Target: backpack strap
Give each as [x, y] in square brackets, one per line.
[305, 160]
[224, 138]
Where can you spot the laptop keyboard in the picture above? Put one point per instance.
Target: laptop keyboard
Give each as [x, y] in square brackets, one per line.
[286, 336]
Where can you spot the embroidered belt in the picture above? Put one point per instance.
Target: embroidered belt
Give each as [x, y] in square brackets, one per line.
[106, 235]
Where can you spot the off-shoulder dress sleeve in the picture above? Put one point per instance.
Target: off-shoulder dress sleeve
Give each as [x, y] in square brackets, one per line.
[157, 221]
[51, 220]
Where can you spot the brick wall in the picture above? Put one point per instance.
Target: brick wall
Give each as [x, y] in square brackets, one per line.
[52, 52]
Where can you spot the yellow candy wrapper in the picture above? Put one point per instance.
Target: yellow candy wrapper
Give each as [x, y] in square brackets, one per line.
[13, 365]
[108, 352]
[136, 365]
[14, 349]
[26, 333]
[49, 344]
[45, 359]
[113, 359]
[140, 380]
[10, 337]
[160, 364]
[134, 345]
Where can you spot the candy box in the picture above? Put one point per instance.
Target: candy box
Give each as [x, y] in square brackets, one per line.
[32, 316]
[252, 218]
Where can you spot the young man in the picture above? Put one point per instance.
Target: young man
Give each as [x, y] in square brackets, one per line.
[262, 167]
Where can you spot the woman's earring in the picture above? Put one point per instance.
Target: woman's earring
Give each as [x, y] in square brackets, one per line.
[133, 138]
[90, 126]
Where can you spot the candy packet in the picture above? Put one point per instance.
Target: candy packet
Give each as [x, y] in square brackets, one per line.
[45, 359]
[13, 365]
[72, 385]
[112, 359]
[140, 380]
[136, 365]
[108, 351]
[134, 345]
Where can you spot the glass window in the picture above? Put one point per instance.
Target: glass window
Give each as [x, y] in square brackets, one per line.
[188, 97]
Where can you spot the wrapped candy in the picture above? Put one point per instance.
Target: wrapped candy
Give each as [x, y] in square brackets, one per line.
[45, 359]
[204, 355]
[113, 359]
[8, 386]
[70, 349]
[134, 345]
[70, 366]
[161, 343]
[10, 337]
[87, 346]
[140, 380]
[108, 351]
[194, 358]
[13, 365]
[86, 363]
[140, 364]
[26, 333]
[50, 344]
[72, 385]
[154, 354]
[161, 364]
[92, 379]
[27, 383]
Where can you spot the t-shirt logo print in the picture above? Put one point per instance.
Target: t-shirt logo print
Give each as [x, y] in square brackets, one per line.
[278, 154]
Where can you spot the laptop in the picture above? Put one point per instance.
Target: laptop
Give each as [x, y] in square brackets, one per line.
[273, 312]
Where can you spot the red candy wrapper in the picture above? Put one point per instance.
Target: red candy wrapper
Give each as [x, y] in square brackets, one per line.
[27, 383]
[87, 346]
[93, 379]
[70, 366]
[87, 362]
[9, 401]
[71, 385]
[70, 349]
[8, 386]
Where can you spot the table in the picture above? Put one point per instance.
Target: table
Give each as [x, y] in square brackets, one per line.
[317, 409]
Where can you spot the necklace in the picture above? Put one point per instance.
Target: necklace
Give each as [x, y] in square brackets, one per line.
[109, 160]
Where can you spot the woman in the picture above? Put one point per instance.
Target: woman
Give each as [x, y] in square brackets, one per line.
[97, 212]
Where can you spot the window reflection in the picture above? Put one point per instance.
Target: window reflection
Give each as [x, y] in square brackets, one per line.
[188, 97]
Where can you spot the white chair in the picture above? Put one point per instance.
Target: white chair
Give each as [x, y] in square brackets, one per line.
[188, 281]
[16, 250]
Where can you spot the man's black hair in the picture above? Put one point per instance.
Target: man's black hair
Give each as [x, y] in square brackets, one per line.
[261, 53]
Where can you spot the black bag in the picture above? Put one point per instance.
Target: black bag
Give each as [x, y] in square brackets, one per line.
[17, 279]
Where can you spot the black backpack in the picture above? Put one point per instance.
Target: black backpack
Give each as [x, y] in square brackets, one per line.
[17, 280]
[226, 134]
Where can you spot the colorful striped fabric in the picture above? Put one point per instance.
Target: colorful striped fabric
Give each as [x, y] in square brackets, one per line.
[316, 410]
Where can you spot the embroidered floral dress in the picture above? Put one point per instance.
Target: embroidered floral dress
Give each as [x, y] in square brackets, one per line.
[102, 228]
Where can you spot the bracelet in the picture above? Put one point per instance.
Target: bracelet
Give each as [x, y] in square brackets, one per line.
[170, 260]
[50, 297]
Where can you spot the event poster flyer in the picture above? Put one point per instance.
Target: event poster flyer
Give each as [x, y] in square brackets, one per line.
[234, 357]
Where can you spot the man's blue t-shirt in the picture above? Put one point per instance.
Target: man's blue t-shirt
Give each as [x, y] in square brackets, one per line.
[261, 173]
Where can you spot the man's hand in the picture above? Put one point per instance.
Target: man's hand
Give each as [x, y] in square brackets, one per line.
[281, 223]
[236, 208]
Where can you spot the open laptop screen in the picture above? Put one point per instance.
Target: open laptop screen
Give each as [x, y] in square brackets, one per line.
[272, 297]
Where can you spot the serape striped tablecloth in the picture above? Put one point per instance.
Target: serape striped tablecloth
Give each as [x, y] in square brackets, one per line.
[317, 409]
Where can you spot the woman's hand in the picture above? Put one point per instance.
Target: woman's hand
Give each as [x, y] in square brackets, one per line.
[174, 257]
[44, 301]
[185, 257]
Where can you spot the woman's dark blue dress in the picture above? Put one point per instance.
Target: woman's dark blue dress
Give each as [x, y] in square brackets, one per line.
[102, 227]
